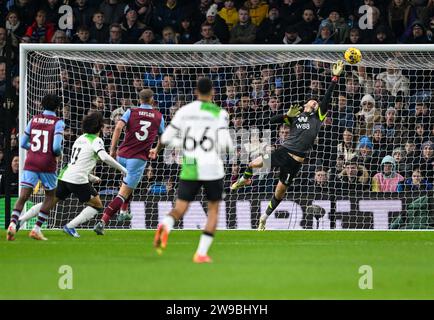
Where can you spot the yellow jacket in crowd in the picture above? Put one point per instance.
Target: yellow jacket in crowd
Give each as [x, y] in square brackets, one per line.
[257, 13]
[230, 16]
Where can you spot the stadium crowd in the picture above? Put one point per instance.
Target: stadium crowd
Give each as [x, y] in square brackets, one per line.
[379, 135]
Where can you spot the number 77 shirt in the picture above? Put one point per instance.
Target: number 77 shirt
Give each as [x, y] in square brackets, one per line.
[41, 130]
[143, 125]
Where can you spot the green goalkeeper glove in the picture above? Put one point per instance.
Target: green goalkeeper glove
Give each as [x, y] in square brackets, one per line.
[338, 68]
[294, 110]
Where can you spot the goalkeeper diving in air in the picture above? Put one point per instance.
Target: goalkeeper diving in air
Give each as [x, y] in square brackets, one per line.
[289, 157]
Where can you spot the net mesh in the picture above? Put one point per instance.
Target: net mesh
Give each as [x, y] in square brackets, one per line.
[381, 107]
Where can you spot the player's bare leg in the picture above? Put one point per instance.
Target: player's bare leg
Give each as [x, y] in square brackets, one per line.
[246, 178]
[207, 237]
[19, 205]
[49, 202]
[164, 228]
[94, 206]
[112, 208]
[279, 193]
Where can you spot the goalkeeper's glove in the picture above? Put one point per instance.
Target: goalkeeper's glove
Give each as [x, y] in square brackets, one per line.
[294, 110]
[338, 68]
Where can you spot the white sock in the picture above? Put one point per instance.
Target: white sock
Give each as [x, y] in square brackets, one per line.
[37, 228]
[264, 217]
[204, 244]
[32, 212]
[85, 215]
[168, 222]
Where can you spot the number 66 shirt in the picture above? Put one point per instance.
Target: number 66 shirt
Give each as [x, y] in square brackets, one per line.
[143, 124]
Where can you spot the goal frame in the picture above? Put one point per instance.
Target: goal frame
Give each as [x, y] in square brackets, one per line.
[24, 49]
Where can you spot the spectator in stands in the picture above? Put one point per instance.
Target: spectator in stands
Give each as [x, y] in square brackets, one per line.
[395, 132]
[40, 30]
[365, 154]
[14, 52]
[147, 37]
[15, 28]
[345, 114]
[51, 7]
[169, 36]
[115, 34]
[2, 162]
[399, 155]
[418, 34]
[229, 14]
[82, 13]
[272, 29]
[354, 177]
[412, 156]
[324, 35]
[354, 36]
[339, 27]
[347, 147]
[168, 13]
[244, 31]
[291, 36]
[399, 15]
[237, 121]
[388, 179]
[219, 26]
[113, 11]
[258, 10]
[207, 33]
[99, 31]
[13, 183]
[231, 99]
[367, 116]
[27, 10]
[420, 135]
[59, 37]
[83, 36]
[308, 27]
[131, 26]
[145, 10]
[380, 147]
[2, 79]
[380, 94]
[394, 79]
[416, 183]
[353, 93]
[187, 34]
[166, 94]
[427, 160]
[381, 36]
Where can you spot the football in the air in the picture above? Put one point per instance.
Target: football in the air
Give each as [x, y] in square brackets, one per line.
[353, 55]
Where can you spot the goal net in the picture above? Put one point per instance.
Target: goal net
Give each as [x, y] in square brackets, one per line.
[371, 166]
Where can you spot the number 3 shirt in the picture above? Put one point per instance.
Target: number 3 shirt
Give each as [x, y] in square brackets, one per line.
[41, 130]
[143, 125]
[200, 130]
[84, 156]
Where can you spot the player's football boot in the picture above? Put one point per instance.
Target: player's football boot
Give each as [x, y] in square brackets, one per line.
[241, 182]
[160, 238]
[99, 228]
[10, 235]
[124, 216]
[201, 259]
[37, 235]
[261, 226]
[71, 231]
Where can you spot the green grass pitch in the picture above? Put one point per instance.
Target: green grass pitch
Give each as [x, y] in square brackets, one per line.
[247, 265]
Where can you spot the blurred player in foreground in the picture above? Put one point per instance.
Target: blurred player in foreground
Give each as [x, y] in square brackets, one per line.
[304, 128]
[42, 139]
[200, 130]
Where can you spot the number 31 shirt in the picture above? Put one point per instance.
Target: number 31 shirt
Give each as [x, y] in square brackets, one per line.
[200, 130]
[143, 125]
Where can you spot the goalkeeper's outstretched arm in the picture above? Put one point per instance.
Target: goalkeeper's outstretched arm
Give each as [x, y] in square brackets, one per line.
[337, 70]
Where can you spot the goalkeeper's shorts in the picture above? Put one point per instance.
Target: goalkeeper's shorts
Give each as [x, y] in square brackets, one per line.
[287, 165]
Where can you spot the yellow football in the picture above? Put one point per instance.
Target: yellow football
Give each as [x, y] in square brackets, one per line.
[353, 55]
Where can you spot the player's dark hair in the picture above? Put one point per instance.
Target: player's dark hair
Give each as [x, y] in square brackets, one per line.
[92, 123]
[51, 102]
[204, 86]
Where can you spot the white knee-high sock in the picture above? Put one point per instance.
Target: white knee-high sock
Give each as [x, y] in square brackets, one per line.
[32, 212]
[168, 222]
[85, 215]
[204, 243]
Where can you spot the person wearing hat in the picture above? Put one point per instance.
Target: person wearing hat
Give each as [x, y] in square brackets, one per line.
[271, 30]
[325, 34]
[367, 116]
[379, 142]
[394, 79]
[132, 26]
[365, 154]
[427, 160]
[418, 34]
[220, 29]
[229, 14]
[388, 179]
[291, 36]
[338, 24]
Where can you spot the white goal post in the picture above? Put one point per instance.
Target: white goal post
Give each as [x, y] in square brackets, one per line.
[371, 166]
